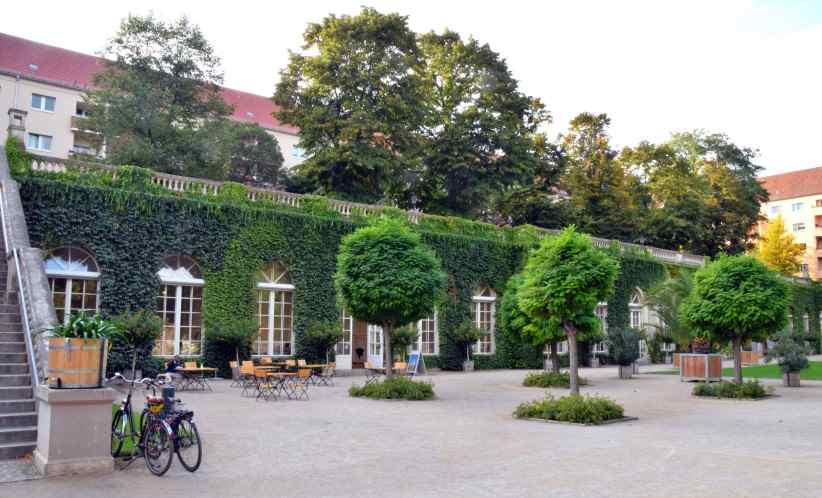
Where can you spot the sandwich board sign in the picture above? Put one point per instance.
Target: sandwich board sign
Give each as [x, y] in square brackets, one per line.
[416, 364]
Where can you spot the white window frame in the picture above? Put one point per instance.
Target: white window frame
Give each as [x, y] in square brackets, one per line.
[347, 326]
[178, 280]
[643, 348]
[417, 345]
[798, 227]
[635, 310]
[797, 206]
[43, 100]
[274, 289]
[478, 301]
[775, 209]
[39, 139]
[70, 276]
[806, 322]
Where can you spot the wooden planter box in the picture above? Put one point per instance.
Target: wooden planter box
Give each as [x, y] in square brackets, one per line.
[626, 371]
[76, 363]
[790, 379]
[751, 357]
[676, 360]
[706, 367]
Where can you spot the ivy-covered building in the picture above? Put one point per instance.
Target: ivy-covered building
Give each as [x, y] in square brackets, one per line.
[204, 255]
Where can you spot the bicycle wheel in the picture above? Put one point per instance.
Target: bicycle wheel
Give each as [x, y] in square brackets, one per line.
[119, 426]
[189, 447]
[158, 449]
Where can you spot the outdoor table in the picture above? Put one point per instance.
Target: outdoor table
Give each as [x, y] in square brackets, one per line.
[314, 368]
[279, 384]
[195, 377]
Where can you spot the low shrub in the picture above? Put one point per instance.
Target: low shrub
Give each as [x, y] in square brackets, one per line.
[751, 389]
[577, 409]
[550, 379]
[394, 388]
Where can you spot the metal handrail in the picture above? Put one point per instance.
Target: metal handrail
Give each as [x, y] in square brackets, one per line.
[23, 304]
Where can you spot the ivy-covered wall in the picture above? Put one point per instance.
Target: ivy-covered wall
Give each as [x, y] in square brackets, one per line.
[129, 232]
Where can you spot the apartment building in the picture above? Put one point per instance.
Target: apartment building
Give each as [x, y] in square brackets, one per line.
[41, 98]
[797, 197]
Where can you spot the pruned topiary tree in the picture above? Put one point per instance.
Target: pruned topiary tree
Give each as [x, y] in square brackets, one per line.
[565, 279]
[387, 276]
[736, 299]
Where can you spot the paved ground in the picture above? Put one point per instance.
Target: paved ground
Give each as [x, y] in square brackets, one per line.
[465, 443]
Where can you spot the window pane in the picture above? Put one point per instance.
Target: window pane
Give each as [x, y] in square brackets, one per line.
[36, 101]
[50, 103]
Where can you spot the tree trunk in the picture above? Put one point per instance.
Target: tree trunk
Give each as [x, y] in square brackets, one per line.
[133, 363]
[237, 355]
[554, 357]
[388, 355]
[737, 344]
[571, 331]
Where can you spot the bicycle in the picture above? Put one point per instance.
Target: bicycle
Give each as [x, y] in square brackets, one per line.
[122, 426]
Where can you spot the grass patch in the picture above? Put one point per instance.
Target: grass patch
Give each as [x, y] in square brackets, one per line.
[751, 389]
[772, 371]
[394, 388]
[129, 446]
[577, 409]
[550, 379]
[665, 372]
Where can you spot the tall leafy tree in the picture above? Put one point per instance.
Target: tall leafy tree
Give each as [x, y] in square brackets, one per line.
[480, 129]
[778, 249]
[157, 96]
[387, 276]
[666, 298]
[252, 154]
[565, 279]
[355, 94]
[602, 192]
[735, 299]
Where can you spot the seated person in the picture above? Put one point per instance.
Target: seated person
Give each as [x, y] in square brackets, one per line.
[171, 374]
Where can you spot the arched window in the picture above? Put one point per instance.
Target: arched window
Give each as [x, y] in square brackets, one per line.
[484, 302]
[635, 309]
[275, 311]
[74, 281]
[180, 306]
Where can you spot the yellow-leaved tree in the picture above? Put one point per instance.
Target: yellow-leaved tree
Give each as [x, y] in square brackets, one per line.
[778, 249]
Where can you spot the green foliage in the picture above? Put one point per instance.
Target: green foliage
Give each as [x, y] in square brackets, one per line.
[751, 389]
[565, 279]
[234, 336]
[394, 388]
[736, 297]
[233, 193]
[320, 338]
[402, 338]
[157, 102]
[83, 326]
[575, 408]
[19, 159]
[623, 345]
[386, 275]
[666, 298]
[253, 154]
[550, 379]
[789, 352]
[465, 335]
[317, 206]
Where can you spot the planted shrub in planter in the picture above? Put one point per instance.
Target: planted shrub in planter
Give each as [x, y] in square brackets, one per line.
[132, 347]
[623, 344]
[701, 344]
[791, 353]
[320, 338]
[751, 389]
[575, 408]
[464, 336]
[78, 350]
[394, 388]
[550, 379]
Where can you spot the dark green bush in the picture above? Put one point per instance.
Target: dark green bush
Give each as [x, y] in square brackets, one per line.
[394, 388]
[751, 389]
[550, 379]
[577, 409]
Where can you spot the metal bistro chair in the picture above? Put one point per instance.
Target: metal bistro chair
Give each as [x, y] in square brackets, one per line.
[371, 373]
[298, 388]
[236, 380]
[326, 377]
[263, 384]
[247, 377]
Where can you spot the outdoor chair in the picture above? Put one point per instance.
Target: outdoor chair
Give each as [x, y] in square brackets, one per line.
[263, 384]
[236, 379]
[190, 364]
[371, 373]
[301, 363]
[326, 377]
[299, 384]
[247, 376]
[266, 360]
[290, 363]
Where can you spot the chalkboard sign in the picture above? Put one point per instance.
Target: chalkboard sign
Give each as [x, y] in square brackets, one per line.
[416, 364]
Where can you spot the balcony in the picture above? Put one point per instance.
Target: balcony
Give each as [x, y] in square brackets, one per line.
[80, 124]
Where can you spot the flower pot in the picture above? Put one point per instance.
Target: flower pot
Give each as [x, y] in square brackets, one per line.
[626, 371]
[468, 366]
[790, 379]
[76, 363]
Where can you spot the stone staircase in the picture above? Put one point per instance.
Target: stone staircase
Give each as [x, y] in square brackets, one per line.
[18, 419]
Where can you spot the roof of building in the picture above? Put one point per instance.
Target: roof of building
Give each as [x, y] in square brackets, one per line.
[58, 66]
[793, 184]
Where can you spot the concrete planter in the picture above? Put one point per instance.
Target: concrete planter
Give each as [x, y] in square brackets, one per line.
[626, 371]
[790, 379]
[468, 366]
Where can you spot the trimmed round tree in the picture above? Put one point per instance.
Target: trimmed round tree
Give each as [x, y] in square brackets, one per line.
[565, 278]
[736, 298]
[387, 276]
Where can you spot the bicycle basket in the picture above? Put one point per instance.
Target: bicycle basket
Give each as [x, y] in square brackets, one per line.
[155, 404]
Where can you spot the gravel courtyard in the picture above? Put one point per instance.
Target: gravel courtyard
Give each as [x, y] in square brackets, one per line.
[465, 443]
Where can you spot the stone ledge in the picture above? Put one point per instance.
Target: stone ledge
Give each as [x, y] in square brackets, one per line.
[101, 465]
[76, 396]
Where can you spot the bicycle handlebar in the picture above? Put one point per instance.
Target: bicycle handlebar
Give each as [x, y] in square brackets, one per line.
[145, 380]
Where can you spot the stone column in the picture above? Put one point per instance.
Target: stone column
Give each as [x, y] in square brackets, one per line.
[74, 431]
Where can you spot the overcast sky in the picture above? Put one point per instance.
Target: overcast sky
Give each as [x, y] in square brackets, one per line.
[750, 69]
